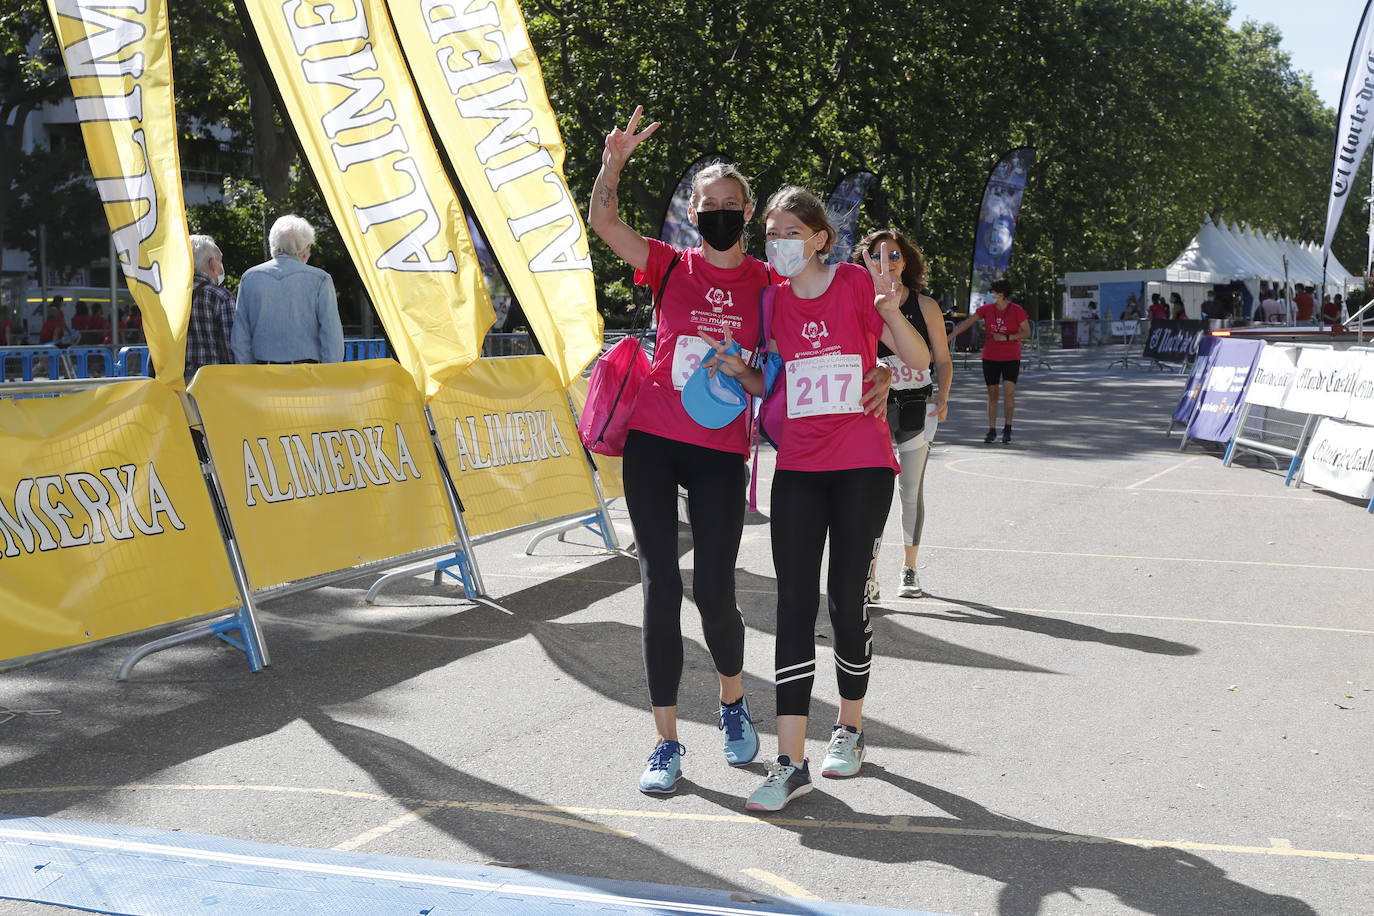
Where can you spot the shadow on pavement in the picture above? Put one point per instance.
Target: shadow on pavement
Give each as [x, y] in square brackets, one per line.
[1162, 881]
[596, 653]
[758, 604]
[989, 616]
[505, 826]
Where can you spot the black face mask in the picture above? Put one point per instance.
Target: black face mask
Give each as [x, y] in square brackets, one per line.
[720, 228]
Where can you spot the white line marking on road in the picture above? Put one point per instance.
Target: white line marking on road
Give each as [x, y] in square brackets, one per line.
[1279, 842]
[368, 836]
[779, 883]
[891, 825]
[1134, 556]
[1108, 487]
[317, 624]
[1231, 623]
[1171, 468]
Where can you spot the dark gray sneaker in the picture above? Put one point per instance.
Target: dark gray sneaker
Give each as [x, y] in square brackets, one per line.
[785, 782]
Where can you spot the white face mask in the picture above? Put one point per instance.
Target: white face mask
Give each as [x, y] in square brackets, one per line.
[788, 255]
[218, 279]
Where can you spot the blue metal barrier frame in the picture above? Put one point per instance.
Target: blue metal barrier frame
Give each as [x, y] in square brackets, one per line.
[27, 356]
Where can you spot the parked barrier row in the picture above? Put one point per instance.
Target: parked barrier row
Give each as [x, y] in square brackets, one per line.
[309, 475]
[1313, 405]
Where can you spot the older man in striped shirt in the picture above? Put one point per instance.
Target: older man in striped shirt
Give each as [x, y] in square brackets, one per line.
[212, 309]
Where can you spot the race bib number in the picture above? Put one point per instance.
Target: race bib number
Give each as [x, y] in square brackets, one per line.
[824, 385]
[904, 377]
[688, 354]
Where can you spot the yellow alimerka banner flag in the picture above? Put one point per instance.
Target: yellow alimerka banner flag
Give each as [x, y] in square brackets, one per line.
[511, 444]
[120, 66]
[354, 108]
[106, 526]
[481, 84]
[323, 467]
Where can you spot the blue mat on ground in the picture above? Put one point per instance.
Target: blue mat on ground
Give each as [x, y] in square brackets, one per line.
[139, 871]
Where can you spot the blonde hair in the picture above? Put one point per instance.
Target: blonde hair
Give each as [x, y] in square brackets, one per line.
[716, 171]
[806, 207]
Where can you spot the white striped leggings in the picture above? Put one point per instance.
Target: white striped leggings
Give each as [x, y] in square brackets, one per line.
[851, 507]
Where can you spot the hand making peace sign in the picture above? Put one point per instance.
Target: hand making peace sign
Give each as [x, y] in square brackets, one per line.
[885, 286]
[621, 143]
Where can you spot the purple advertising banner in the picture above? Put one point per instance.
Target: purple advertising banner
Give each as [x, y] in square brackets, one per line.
[677, 230]
[1223, 393]
[1187, 404]
[997, 217]
[843, 207]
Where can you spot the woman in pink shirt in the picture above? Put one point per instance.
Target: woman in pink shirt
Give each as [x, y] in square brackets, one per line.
[834, 477]
[1005, 325]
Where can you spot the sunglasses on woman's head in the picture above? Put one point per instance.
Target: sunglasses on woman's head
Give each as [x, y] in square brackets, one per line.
[891, 255]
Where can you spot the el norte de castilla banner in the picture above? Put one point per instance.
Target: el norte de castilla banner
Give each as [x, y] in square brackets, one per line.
[345, 88]
[118, 59]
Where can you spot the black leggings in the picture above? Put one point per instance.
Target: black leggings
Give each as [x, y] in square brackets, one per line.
[851, 506]
[715, 480]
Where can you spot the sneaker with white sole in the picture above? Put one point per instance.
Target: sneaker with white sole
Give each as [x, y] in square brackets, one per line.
[741, 740]
[785, 782]
[845, 754]
[665, 766]
[911, 586]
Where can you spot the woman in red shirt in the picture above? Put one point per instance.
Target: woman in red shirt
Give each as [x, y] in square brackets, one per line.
[834, 476]
[54, 327]
[1005, 325]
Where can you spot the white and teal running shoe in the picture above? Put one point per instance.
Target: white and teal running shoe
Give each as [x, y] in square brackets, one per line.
[785, 782]
[665, 766]
[741, 740]
[845, 754]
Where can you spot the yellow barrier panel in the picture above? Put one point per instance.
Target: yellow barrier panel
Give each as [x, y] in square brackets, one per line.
[510, 441]
[480, 83]
[106, 526]
[346, 91]
[612, 483]
[323, 467]
[119, 62]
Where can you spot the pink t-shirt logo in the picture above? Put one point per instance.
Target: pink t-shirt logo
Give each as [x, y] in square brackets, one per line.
[814, 333]
[720, 299]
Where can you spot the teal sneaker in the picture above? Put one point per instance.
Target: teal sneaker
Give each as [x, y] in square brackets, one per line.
[845, 754]
[665, 766]
[785, 782]
[741, 740]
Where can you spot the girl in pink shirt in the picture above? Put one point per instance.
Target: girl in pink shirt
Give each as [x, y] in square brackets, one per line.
[834, 475]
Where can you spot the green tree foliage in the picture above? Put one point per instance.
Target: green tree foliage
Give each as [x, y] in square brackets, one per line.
[30, 76]
[1148, 115]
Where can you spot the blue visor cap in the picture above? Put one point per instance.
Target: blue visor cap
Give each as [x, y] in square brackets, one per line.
[714, 401]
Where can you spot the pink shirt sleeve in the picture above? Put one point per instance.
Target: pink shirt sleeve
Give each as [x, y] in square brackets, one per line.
[660, 256]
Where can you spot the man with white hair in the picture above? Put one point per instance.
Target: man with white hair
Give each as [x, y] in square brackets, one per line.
[212, 309]
[287, 311]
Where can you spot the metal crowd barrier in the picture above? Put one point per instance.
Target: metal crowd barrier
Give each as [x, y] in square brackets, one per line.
[55, 362]
[132, 361]
[360, 348]
[508, 345]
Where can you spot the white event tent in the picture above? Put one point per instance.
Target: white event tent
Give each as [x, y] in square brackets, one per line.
[1218, 255]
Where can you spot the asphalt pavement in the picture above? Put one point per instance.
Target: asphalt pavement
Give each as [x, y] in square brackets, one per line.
[1140, 683]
